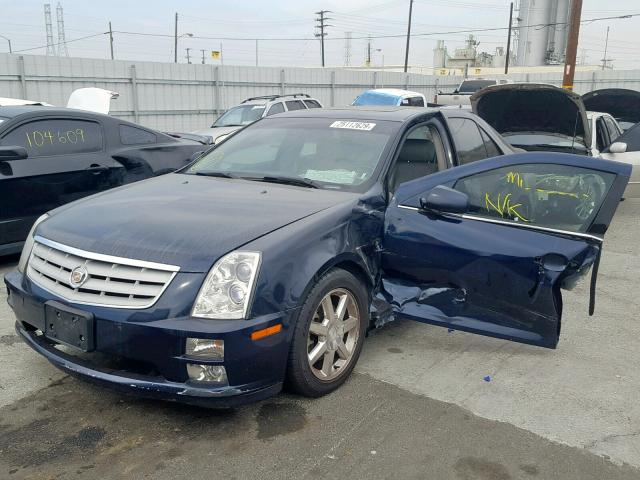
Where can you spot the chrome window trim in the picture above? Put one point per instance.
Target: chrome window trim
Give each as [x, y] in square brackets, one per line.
[109, 259]
[514, 224]
[106, 258]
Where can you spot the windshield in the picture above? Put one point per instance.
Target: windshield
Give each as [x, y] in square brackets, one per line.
[333, 154]
[472, 86]
[376, 98]
[239, 116]
[542, 141]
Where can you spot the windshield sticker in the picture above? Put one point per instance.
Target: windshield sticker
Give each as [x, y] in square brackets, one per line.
[353, 125]
[344, 177]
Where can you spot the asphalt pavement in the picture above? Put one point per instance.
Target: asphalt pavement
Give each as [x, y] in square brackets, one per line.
[423, 403]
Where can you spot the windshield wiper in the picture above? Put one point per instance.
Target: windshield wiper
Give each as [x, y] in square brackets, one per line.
[215, 174]
[298, 181]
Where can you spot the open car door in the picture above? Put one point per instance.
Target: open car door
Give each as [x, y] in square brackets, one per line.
[486, 247]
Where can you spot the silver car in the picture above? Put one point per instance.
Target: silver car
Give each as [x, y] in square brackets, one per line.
[255, 108]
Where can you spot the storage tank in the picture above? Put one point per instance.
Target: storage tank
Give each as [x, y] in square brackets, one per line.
[541, 45]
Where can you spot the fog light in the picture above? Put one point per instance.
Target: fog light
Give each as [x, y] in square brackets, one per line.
[207, 373]
[205, 348]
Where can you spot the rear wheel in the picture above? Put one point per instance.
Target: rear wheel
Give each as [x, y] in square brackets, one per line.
[329, 334]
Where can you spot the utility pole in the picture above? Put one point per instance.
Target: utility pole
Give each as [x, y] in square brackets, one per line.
[188, 55]
[256, 52]
[321, 25]
[111, 39]
[606, 45]
[506, 62]
[406, 52]
[175, 41]
[368, 61]
[572, 45]
[203, 50]
[9, 41]
[347, 49]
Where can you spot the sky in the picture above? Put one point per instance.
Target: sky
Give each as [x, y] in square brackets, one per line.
[143, 30]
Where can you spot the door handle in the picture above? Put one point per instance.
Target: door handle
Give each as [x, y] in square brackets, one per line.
[95, 168]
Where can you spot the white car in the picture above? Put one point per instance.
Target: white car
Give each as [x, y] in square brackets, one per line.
[253, 109]
[626, 149]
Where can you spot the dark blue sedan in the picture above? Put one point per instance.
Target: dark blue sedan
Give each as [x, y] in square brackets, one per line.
[266, 261]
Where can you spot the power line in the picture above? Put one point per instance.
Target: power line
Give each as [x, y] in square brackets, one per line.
[400, 35]
[68, 41]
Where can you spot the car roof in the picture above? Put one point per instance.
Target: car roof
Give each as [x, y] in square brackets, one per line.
[365, 112]
[396, 92]
[14, 111]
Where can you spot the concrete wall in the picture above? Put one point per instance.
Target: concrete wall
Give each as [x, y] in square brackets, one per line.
[181, 97]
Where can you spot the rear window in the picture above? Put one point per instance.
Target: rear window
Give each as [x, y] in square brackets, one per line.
[136, 136]
[295, 105]
[56, 137]
[312, 104]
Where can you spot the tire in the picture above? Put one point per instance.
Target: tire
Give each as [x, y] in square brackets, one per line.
[329, 333]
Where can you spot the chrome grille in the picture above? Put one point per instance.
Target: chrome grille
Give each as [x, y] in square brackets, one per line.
[111, 281]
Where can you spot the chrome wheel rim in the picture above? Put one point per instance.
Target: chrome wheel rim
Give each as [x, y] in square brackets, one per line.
[333, 334]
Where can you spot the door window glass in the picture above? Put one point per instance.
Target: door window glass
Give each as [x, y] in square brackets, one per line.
[469, 143]
[295, 105]
[135, 136]
[56, 137]
[417, 157]
[612, 129]
[276, 108]
[547, 195]
[312, 104]
[492, 149]
[602, 138]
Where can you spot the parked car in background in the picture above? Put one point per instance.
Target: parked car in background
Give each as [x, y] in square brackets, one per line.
[536, 117]
[462, 94]
[390, 97]
[91, 99]
[269, 258]
[255, 108]
[604, 131]
[51, 156]
[621, 103]
[626, 148]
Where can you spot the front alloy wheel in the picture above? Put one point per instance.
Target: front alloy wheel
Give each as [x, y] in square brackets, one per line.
[333, 334]
[329, 334]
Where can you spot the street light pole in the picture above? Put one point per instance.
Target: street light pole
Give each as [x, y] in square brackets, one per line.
[9, 41]
[406, 52]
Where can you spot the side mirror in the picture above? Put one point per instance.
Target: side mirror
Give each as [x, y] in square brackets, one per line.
[446, 200]
[13, 153]
[618, 147]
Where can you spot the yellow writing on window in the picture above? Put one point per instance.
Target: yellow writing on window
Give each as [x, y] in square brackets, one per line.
[41, 138]
[504, 207]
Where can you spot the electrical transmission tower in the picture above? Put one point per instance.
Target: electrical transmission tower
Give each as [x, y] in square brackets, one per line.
[347, 48]
[321, 26]
[51, 49]
[62, 43]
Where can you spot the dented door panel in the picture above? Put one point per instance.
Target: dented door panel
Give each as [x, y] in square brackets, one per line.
[485, 274]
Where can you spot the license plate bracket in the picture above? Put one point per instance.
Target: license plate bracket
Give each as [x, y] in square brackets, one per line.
[70, 326]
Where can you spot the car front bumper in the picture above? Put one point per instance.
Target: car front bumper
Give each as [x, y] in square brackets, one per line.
[255, 368]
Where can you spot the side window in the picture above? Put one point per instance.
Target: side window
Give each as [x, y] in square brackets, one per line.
[469, 143]
[546, 195]
[56, 137]
[295, 105]
[417, 157]
[275, 108]
[312, 104]
[602, 136]
[130, 135]
[416, 102]
[489, 145]
[614, 133]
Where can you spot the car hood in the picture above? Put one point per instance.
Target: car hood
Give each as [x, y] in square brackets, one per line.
[532, 108]
[217, 131]
[183, 220]
[620, 103]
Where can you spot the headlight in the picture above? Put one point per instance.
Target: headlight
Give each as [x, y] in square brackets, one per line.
[28, 244]
[226, 292]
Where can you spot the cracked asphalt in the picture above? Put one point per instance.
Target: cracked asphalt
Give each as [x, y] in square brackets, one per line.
[418, 406]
